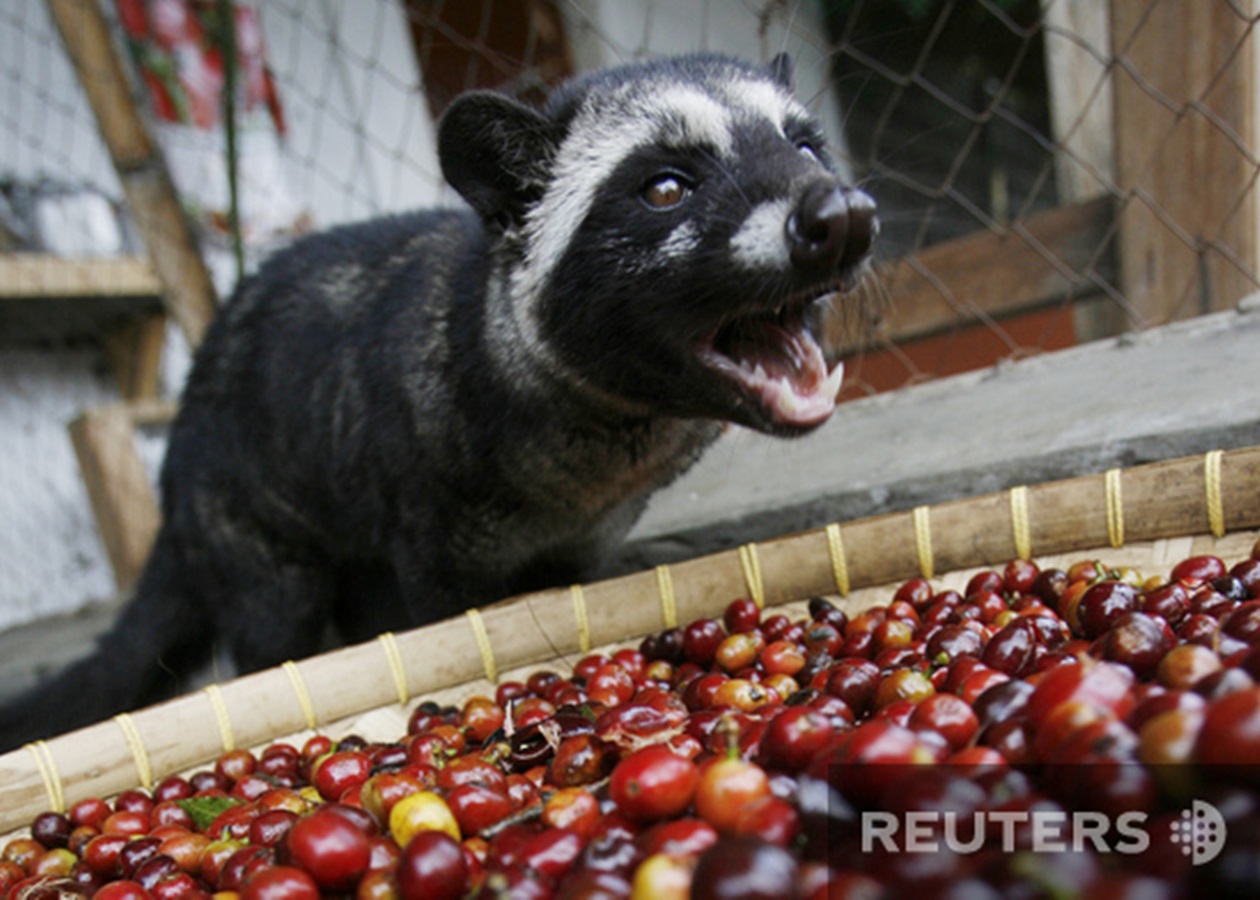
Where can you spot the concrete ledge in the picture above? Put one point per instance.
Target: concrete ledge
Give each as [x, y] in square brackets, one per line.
[1179, 390]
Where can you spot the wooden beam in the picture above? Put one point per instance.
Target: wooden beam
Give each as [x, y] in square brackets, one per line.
[39, 275]
[187, 289]
[1052, 255]
[134, 353]
[1078, 47]
[1082, 121]
[1186, 162]
[118, 488]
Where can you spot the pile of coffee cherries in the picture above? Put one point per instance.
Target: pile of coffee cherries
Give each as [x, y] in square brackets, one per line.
[1037, 734]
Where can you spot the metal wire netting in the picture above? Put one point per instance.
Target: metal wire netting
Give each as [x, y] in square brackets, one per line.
[1048, 173]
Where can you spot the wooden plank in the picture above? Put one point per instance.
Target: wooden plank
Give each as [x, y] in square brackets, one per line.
[118, 488]
[38, 275]
[188, 291]
[1082, 103]
[1185, 156]
[1078, 47]
[986, 275]
[134, 353]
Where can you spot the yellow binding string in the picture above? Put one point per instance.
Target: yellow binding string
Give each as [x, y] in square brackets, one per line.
[483, 644]
[48, 772]
[303, 695]
[839, 565]
[1115, 507]
[751, 566]
[665, 587]
[579, 614]
[1020, 528]
[393, 656]
[226, 736]
[923, 539]
[140, 755]
[1212, 484]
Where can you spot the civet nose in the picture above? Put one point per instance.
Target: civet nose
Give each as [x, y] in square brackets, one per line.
[832, 227]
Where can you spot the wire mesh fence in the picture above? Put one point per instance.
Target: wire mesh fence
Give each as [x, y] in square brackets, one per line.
[1048, 173]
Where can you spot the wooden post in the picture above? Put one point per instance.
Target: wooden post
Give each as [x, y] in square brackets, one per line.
[187, 289]
[1082, 104]
[1185, 88]
[118, 488]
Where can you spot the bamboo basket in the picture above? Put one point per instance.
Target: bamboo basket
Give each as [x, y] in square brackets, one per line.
[1147, 516]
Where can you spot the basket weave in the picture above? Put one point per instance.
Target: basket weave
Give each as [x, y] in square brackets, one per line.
[1147, 516]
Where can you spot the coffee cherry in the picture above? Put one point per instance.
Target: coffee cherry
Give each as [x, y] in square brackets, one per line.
[653, 783]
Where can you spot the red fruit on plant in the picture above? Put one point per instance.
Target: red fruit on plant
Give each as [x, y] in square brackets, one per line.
[432, 867]
[653, 783]
[331, 848]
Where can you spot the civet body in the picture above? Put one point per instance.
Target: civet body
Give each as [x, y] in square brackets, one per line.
[396, 420]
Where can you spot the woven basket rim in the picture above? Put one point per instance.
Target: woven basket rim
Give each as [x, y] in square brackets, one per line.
[1195, 501]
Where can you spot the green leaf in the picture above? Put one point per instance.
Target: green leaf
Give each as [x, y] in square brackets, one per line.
[204, 810]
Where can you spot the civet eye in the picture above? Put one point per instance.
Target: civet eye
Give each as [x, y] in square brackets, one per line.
[807, 149]
[665, 191]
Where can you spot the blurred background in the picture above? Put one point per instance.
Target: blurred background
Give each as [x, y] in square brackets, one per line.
[1049, 174]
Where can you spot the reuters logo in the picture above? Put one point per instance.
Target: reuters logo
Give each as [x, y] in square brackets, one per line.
[1200, 832]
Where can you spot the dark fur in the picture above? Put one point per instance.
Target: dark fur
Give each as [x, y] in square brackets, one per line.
[363, 438]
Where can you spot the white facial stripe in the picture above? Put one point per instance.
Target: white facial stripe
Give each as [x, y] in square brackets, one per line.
[762, 100]
[683, 240]
[760, 242]
[599, 142]
[593, 152]
[693, 118]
